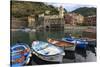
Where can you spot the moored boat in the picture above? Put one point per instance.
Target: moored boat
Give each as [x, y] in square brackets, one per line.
[81, 43]
[91, 42]
[47, 51]
[63, 44]
[20, 54]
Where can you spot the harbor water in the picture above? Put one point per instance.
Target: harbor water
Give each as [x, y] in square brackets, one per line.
[79, 55]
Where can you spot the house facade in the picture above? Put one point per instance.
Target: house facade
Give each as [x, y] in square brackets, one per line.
[73, 18]
[90, 20]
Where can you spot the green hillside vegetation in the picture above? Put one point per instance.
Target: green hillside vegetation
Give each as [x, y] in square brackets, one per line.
[24, 8]
[85, 11]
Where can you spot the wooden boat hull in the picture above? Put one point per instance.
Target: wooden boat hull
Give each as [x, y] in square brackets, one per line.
[52, 57]
[65, 45]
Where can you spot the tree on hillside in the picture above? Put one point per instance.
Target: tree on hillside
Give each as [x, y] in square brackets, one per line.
[85, 11]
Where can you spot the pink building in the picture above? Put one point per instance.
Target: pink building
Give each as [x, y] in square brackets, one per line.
[90, 20]
[73, 18]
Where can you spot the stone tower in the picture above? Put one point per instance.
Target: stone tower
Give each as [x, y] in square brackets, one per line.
[61, 11]
[31, 21]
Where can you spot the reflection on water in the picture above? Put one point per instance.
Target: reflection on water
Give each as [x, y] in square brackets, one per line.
[28, 37]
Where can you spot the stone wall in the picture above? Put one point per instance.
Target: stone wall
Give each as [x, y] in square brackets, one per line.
[18, 23]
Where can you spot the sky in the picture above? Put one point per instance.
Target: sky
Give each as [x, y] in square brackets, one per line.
[70, 7]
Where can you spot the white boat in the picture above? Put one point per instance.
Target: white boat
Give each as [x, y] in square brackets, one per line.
[33, 30]
[47, 51]
[65, 45]
[26, 30]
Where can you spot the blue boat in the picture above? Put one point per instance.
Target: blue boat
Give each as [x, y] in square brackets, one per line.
[20, 54]
[80, 43]
[47, 52]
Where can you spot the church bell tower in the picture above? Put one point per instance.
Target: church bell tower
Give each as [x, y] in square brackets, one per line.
[61, 11]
